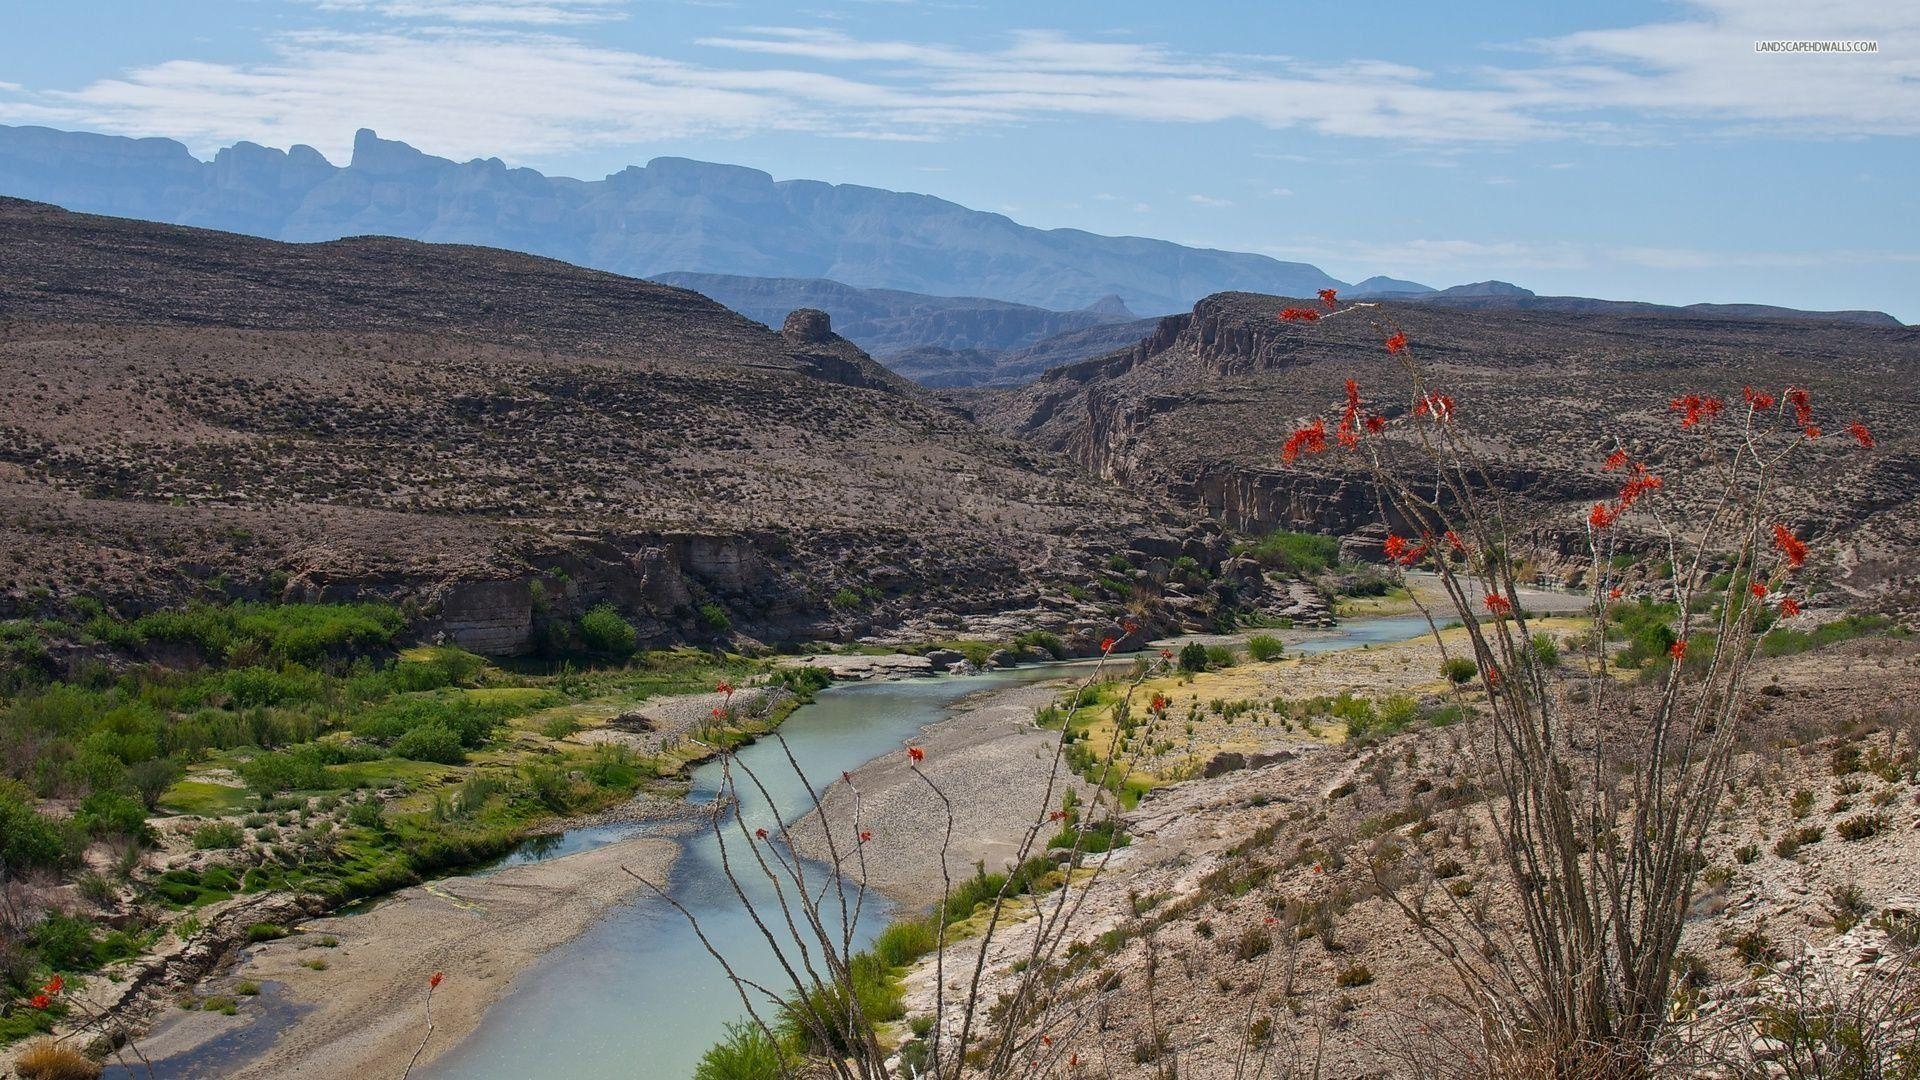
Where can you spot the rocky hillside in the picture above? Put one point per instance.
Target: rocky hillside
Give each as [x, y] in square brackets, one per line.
[934, 340]
[500, 439]
[672, 214]
[1199, 410]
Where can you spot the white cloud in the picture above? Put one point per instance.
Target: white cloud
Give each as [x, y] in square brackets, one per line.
[535, 12]
[1208, 200]
[1280, 192]
[506, 76]
[1468, 259]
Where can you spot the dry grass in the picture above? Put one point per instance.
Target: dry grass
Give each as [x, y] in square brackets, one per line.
[51, 1060]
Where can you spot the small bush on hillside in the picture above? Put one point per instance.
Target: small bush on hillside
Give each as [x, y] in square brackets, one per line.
[1305, 553]
[604, 631]
[50, 1060]
[1459, 670]
[1265, 647]
[109, 813]
[746, 1053]
[1193, 657]
[217, 835]
[431, 742]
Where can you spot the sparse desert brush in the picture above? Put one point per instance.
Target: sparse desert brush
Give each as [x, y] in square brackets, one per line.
[47, 1059]
[1605, 797]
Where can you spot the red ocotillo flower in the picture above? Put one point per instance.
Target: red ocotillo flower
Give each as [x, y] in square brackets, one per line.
[40, 1001]
[1158, 704]
[1756, 400]
[865, 836]
[759, 834]
[1311, 439]
[1789, 607]
[1860, 434]
[1453, 538]
[1758, 590]
[1298, 314]
[1376, 424]
[1802, 403]
[1057, 815]
[1107, 644]
[1397, 343]
[1438, 406]
[1615, 593]
[1330, 298]
[916, 755]
[433, 980]
[1393, 547]
[1130, 626]
[1166, 654]
[1492, 675]
[1790, 546]
[1678, 650]
[723, 688]
[1615, 460]
[55, 984]
[1696, 410]
[1637, 485]
[1497, 604]
[1602, 516]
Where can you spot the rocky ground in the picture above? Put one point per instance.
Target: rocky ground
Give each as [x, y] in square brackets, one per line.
[1200, 410]
[505, 441]
[1244, 933]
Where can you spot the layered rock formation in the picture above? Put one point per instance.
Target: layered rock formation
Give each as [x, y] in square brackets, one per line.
[1199, 411]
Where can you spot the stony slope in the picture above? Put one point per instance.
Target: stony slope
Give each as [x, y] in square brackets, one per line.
[1200, 409]
[498, 437]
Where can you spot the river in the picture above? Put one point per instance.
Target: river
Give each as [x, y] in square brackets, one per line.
[637, 997]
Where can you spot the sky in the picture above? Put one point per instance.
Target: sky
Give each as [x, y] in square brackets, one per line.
[1625, 150]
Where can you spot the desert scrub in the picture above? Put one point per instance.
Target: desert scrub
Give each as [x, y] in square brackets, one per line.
[216, 835]
[1860, 826]
[746, 1053]
[1356, 975]
[50, 1060]
[1265, 647]
[266, 931]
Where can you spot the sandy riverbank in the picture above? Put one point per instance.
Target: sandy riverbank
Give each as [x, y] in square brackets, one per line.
[358, 1006]
[993, 765]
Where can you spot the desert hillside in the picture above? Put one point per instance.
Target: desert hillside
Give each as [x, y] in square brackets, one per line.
[194, 414]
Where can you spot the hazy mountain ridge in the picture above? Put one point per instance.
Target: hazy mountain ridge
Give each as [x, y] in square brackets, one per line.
[673, 214]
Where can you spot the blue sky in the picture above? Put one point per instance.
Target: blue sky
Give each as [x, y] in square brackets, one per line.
[1633, 150]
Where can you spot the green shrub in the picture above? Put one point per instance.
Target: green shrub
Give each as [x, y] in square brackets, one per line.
[265, 931]
[1220, 656]
[1303, 553]
[747, 1052]
[1265, 647]
[604, 631]
[1545, 651]
[433, 742]
[1041, 639]
[714, 618]
[109, 813]
[904, 942]
[1459, 670]
[217, 835]
[1193, 657]
[300, 769]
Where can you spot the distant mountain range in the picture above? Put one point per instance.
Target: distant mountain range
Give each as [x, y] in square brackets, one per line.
[673, 214]
[943, 294]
